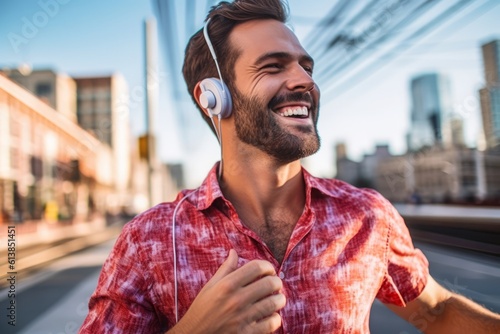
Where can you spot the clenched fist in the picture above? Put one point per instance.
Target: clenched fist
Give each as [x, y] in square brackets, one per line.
[236, 300]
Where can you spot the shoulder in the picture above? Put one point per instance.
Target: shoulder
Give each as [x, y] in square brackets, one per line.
[157, 219]
[341, 199]
[152, 218]
[347, 193]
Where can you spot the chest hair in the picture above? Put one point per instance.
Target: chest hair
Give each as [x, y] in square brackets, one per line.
[276, 234]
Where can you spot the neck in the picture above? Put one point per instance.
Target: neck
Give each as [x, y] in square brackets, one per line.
[261, 189]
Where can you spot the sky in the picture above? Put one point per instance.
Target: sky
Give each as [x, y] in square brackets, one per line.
[95, 37]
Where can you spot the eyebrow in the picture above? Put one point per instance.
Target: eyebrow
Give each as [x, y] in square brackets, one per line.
[282, 55]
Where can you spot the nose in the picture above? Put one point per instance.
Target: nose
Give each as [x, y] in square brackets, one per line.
[300, 80]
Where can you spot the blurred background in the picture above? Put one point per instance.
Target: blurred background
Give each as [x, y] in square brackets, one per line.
[96, 126]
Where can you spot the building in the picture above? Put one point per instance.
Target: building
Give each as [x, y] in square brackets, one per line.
[176, 171]
[56, 89]
[103, 110]
[167, 181]
[50, 168]
[490, 94]
[456, 131]
[430, 96]
[347, 169]
[363, 173]
[491, 166]
[369, 164]
[437, 175]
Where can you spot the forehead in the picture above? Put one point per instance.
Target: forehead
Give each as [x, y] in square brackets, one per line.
[258, 37]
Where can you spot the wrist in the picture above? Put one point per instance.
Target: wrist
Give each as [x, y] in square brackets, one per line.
[184, 326]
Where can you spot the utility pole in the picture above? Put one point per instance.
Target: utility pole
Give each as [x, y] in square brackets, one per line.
[151, 80]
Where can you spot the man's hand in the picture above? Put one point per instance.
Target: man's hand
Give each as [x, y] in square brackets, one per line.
[236, 300]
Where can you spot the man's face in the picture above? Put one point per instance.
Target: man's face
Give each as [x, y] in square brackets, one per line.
[275, 100]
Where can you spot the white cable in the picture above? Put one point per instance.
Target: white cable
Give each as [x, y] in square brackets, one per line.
[221, 151]
[212, 51]
[174, 252]
[174, 248]
[214, 56]
[218, 132]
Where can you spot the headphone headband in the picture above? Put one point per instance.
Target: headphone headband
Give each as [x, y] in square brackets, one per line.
[215, 96]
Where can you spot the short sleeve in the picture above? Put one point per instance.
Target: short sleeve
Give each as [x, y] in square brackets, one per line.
[120, 303]
[407, 267]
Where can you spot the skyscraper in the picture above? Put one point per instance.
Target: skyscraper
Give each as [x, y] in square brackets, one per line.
[490, 94]
[430, 103]
[102, 109]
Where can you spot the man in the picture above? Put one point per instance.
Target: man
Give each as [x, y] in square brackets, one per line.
[266, 247]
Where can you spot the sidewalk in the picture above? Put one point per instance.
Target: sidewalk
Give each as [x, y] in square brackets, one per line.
[37, 243]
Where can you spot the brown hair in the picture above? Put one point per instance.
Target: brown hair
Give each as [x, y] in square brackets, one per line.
[198, 62]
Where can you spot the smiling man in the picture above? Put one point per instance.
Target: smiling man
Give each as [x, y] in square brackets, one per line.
[262, 246]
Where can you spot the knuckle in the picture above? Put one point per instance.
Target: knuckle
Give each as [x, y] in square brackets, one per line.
[268, 306]
[262, 266]
[226, 286]
[272, 323]
[271, 305]
[278, 283]
[272, 283]
[277, 302]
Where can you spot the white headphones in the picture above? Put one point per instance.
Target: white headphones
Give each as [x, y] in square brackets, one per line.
[215, 96]
[216, 99]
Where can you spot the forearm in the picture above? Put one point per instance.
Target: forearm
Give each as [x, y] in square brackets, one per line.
[186, 327]
[177, 330]
[460, 315]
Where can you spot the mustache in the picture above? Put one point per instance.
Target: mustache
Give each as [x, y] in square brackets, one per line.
[291, 97]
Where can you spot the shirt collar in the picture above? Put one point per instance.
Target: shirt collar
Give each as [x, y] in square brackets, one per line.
[210, 190]
[325, 186]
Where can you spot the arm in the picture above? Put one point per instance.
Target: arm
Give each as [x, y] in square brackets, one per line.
[438, 310]
[121, 302]
[236, 300]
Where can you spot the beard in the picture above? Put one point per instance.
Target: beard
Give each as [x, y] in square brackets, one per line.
[256, 125]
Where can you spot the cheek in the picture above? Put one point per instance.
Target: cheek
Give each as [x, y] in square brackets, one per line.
[266, 87]
[316, 92]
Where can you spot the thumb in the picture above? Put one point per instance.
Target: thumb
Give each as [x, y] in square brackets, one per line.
[227, 267]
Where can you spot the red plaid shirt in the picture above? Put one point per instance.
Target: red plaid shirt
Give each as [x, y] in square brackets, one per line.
[349, 247]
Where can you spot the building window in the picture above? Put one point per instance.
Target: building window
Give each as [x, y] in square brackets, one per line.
[43, 89]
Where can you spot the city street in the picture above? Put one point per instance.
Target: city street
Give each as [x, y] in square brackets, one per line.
[102, 112]
[54, 299]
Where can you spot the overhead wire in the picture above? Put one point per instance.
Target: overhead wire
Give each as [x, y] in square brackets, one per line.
[320, 53]
[389, 32]
[333, 16]
[361, 75]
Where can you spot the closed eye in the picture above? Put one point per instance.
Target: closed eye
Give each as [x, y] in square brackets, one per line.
[308, 69]
[272, 66]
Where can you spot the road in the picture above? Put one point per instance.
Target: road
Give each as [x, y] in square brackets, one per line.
[54, 299]
[468, 273]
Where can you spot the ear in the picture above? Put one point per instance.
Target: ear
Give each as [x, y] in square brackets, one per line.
[197, 92]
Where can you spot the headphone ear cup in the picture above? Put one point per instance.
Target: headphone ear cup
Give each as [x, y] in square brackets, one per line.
[215, 97]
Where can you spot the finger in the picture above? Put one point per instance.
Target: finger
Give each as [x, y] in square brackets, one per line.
[251, 271]
[261, 288]
[265, 307]
[267, 325]
[227, 267]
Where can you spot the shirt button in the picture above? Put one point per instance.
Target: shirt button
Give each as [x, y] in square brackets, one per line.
[281, 275]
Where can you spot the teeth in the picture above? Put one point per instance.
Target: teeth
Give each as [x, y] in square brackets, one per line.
[298, 111]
